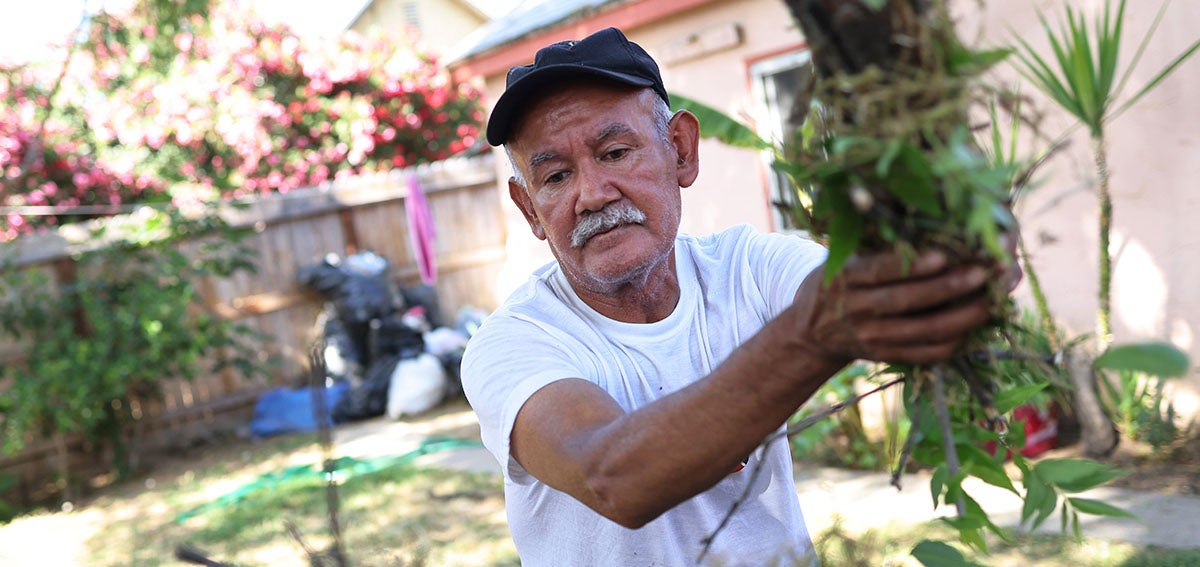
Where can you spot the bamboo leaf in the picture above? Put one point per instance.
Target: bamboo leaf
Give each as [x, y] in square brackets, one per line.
[1153, 358]
[1098, 508]
[1039, 500]
[1074, 475]
[984, 466]
[720, 126]
[1063, 515]
[939, 554]
[937, 482]
[1008, 400]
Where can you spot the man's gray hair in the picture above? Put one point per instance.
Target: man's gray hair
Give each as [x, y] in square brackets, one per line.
[662, 123]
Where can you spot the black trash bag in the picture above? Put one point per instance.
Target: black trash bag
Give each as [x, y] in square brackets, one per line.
[391, 336]
[424, 296]
[452, 362]
[391, 340]
[370, 398]
[325, 277]
[343, 358]
[359, 290]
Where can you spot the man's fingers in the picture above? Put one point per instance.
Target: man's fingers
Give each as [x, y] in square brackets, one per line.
[931, 353]
[912, 296]
[943, 325]
[882, 268]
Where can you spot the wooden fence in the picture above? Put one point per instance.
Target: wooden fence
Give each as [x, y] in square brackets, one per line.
[292, 231]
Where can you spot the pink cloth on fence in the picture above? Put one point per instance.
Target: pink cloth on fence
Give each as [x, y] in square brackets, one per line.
[421, 231]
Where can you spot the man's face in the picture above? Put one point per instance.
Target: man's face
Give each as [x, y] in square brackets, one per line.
[602, 182]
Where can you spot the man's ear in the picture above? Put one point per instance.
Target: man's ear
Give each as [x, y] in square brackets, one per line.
[684, 132]
[520, 196]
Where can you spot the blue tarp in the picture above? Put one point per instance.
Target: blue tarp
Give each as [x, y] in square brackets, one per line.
[288, 410]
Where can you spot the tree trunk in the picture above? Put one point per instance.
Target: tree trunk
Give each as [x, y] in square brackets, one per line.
[1104, 312]
[1097, 433]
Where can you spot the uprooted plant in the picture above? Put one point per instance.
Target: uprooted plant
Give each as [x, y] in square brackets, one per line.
[889, 162]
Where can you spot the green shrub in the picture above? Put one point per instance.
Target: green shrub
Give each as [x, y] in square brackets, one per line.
[97, 348]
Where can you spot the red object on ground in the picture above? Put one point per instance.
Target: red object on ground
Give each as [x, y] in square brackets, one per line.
[1041, 429]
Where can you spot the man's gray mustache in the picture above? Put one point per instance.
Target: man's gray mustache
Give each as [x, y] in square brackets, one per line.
[605, 219]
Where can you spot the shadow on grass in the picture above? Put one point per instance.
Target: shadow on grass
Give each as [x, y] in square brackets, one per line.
[1158, 557]
[397, 515]
[418, 515]
[892, 546]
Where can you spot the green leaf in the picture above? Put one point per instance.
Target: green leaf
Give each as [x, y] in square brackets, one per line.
[1074, 475]
[939, 554]
[961, 60]
[1153, 358]
[988, 57]
[937, 483]
[1160, 77]
[984, 466]
[720, 126]
[911, 180]
[845, 233]
[1098, 508]
[1039, 501]
[1008, 400]
[889, 155]
[982, 224]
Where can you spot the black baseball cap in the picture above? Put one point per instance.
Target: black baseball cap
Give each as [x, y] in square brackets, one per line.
[606, 54]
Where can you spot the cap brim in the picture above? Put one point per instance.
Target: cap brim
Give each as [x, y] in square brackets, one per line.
[509, 106]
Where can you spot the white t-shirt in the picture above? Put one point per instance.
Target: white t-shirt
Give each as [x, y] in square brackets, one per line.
[731, 284]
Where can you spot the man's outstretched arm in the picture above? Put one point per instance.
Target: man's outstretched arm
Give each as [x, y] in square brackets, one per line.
[632, 466]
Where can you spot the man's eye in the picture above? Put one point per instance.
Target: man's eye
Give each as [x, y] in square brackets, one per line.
[555, 177]
[616, 154]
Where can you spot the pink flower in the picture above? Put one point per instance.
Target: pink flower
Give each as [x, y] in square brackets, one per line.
[183, 41]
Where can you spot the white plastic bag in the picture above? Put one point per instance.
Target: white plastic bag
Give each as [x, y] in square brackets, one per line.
[418, 385]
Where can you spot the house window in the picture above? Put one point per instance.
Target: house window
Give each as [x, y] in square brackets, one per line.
[782, 87]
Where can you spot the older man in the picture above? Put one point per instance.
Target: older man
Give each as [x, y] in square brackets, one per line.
[625, 385]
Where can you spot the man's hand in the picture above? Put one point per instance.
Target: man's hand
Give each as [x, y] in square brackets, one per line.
[879, 308]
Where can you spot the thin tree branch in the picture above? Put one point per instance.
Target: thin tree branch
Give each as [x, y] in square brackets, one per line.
[317, 375]
[835, 408]
[906, 453]
[943, 415]
[757, 466]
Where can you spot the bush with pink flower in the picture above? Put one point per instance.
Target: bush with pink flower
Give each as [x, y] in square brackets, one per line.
[174, 99]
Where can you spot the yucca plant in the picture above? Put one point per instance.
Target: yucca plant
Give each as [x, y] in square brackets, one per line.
[1084, 77]
[1081, 77]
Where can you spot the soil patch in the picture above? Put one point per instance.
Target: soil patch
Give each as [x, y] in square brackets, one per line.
[1170, 470]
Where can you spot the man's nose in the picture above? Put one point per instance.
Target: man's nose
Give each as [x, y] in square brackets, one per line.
[596, 190]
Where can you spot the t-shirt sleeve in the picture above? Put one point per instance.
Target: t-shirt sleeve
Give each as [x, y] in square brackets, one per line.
[506, 362]
[780, 263]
